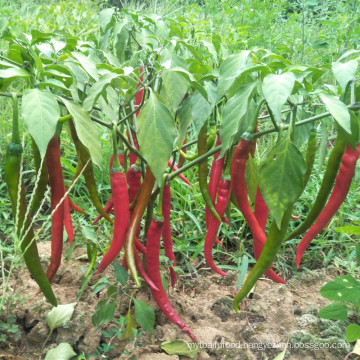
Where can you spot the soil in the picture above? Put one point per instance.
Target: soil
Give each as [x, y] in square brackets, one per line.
[274, 315]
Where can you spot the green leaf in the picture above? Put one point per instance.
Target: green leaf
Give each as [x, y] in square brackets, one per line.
[156, 135]
[233, 113]
[352, 138]
[97, 89]
[277, 89]
[41, 113]
[180, 347]
[335, 311]
[173, 90]
[281, 177]
[357, 247]
[338, 110]
[63, 351]
[242, 271]
[13, 73]
[144, 315]
[89, 234]
[352, 333]
[344, 72]
[121, 274]
[60, 315]
[230, 69]
[86, 130]
[130, 325]
[280, 356]
[184, 116]
[104, 313]
[105, 17]
[351, 229]
[344, 288]
[88, 65]
[200, 111]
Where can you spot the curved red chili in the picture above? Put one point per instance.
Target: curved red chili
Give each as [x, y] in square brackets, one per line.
[224, 192]
[337, 197]
[67, 220]
[153, 267]
[166, 233]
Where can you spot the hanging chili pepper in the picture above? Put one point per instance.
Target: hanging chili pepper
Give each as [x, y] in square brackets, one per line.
[325, 188]
[12, 177]
[203, 172]
[109, 206]
[43, 179]
[133, 178]
[153, 267]
[271, 248]
[223, 198]
[143, 273]
[121, 209]
[140, 94]
[215, 176]
[57, 186]
[181, 176]
[310, 155]
[166, 233]
[261, 213]
[83, 158]
[76, 207]
[337, 197]
[67, 220]
[135, 220]
[181, 158]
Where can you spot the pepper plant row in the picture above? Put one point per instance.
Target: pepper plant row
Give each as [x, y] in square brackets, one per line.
[159, 88]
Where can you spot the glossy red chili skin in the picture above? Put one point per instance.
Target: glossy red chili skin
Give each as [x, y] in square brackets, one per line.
[215, 176]
[133, 178]
[224, 192]
[166, 233]
[67, 220]
[337, 197]
[153, 267]
[121, 209]
[238, 167]
[57, 186]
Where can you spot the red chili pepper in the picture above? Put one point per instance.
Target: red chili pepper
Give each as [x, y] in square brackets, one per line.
[132, 156]
[181, 158]
[121, 160]
[261, 213]
[166, 233]
[215, 176]
[57, 186]
[240, 157]
[67, 220]
[143, 273]
[153, 267]
[122, 214]
[337, 197]
[181, 176]
[224, 192]
[133, 178]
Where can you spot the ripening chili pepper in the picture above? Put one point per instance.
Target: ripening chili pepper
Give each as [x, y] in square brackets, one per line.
[325, 188]
[203, 172]
[143, 273]
[181, 158]
[215, 176]
[67, 220]
[310, 155]
[135, 220]
[153, 267]
[261, 213]
[57, 187]
[166, 233]
[223, 198]
[181, 176]
[337, 197]
[108, 208]
[84, 158]
[12, 178]
[76, 207]
[132, 156]
[271, 248]
[43, 179]
[121, 209]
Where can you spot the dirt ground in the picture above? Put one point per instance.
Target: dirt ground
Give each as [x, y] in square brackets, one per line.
[275, 315]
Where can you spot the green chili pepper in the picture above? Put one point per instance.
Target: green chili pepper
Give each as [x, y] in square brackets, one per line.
[203, 172]
[271, 248]
[310, 155]
[83, 157]
[12, 178]
[325, 189]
